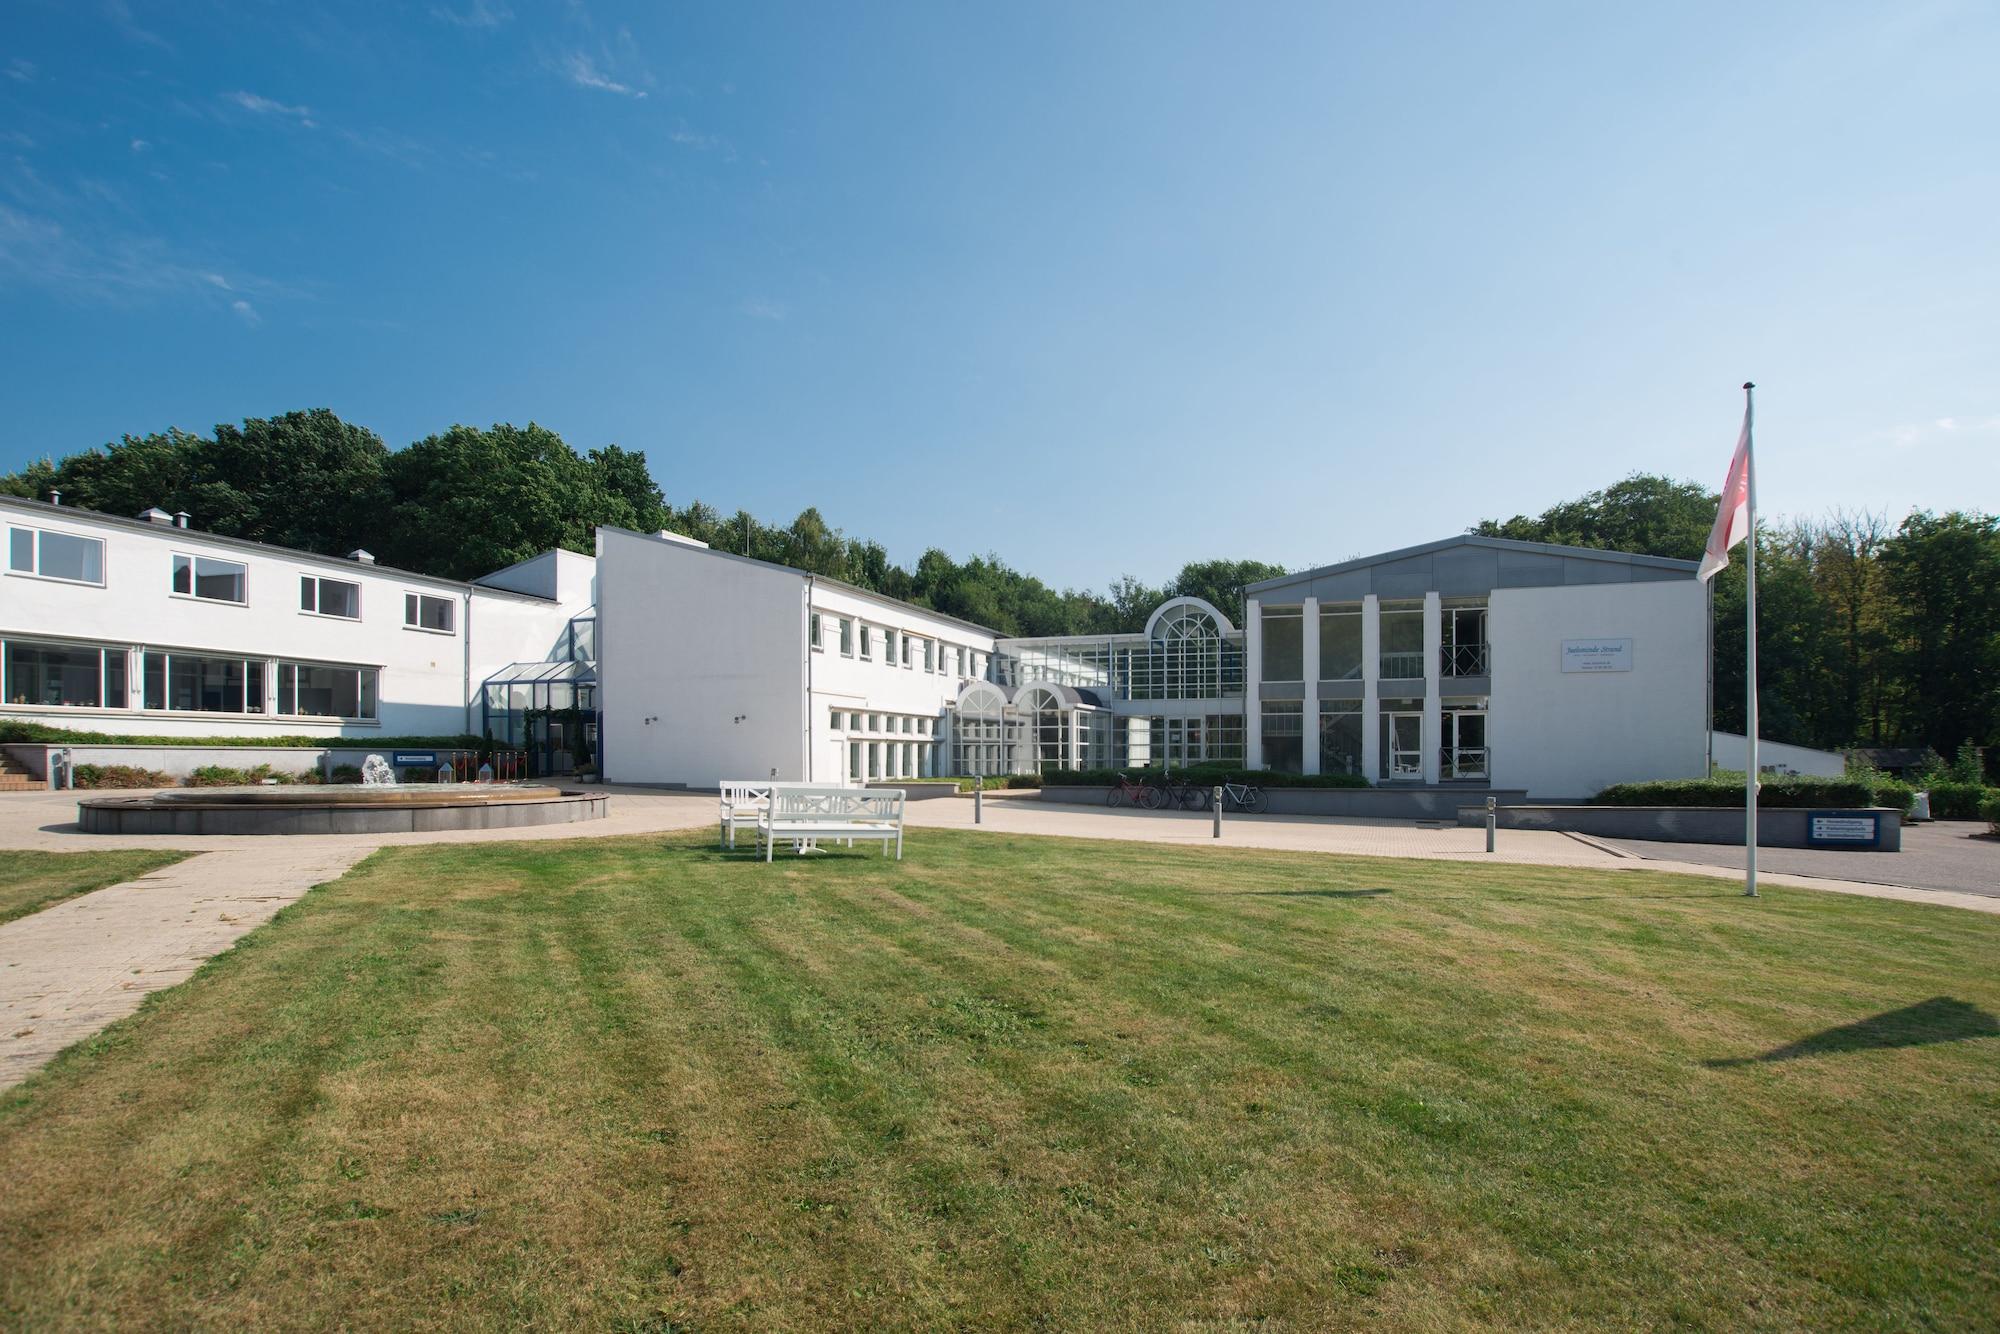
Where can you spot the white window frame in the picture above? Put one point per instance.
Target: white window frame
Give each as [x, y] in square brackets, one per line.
[193, 559]
[813, 633]
[846, 637]
[867, 642]
[317, 580]
[422, 597]
[35, 536]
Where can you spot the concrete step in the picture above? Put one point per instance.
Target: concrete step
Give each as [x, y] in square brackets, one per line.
[19, 783]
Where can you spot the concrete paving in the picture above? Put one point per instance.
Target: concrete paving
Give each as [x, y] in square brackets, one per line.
[1948, 854]
[71, 969]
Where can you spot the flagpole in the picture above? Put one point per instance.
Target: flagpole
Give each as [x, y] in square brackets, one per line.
[1750, 776]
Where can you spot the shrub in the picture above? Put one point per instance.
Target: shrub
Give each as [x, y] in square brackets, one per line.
[1990, 808]
[1959, 801]
[346, 773]
[43, 735]
[1024, 780]
[1785, 792]
[120, 775]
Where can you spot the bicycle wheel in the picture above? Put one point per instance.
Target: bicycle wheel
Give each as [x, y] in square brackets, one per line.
[1116, 799]
[1149, 797]
[1253, 799]
[1194, 798]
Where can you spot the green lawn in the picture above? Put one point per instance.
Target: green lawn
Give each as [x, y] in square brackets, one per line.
[32, 881]
[640, 1085]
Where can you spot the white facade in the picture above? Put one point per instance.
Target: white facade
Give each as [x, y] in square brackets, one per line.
[143, 627]
[708, 670]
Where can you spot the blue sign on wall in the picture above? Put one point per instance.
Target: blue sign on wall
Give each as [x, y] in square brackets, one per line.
[403, 759]
[1843, 829]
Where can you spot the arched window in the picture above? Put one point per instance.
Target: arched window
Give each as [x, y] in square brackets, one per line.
[1045, 716]
[1189, 648]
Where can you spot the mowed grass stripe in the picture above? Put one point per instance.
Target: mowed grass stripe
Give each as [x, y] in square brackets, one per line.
[633, 1082]
[33, 881]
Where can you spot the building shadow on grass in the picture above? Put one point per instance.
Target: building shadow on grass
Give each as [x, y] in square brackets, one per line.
[1939, 1019]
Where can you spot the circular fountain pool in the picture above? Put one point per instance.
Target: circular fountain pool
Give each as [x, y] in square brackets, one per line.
[367, 809]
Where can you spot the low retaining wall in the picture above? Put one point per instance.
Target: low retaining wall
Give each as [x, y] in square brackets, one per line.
[111, 814]
[1776, 828]
[1359, 803]
[916, 789]
[180, 761]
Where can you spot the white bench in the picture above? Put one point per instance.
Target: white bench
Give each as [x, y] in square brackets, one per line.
[804, 814]
[741, 804]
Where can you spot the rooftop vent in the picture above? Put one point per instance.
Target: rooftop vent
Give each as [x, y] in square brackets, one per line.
[157, 515]
[181, 518]
[362, 555]
[55, 496]
[683, 539]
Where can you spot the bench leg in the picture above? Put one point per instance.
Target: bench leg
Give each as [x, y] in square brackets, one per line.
[770, 841]
[899, 842]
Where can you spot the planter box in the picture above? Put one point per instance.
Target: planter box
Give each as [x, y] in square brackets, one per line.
[1776, 828]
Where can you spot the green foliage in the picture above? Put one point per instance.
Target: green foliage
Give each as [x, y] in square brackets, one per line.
[1656, 516]
[221, 775]
[120, 775]
[1989, 810]
[43, 735]
[1774, 792]
[1958, 801]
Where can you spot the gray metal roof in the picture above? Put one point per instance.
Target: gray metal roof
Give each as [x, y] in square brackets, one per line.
[1467, 564]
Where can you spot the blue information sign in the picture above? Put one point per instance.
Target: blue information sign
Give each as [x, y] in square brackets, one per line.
[1843, 829]
[406, 759]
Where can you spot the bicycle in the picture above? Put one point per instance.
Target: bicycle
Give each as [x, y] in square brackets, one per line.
[1142, 795]
[1180, 792]
[1243, 796]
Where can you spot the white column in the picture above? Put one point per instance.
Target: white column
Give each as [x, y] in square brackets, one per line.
[1309, 627]
[1253, 675]
[1433, 665]
[1371, 688]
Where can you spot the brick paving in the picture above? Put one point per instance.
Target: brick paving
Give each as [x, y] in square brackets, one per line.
[71, 969]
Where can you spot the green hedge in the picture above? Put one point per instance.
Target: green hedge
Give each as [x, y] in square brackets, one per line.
[1200, 774]
[1991, 810]
[1786, 792]
[1960, 801]
[121, 776]
[41, 735]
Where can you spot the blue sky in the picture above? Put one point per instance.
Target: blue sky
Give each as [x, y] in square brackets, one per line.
[1099, 287]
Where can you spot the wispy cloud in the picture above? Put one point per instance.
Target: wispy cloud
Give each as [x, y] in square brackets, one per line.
[584, 72]
[107, 266]
[264, 106]
[121, 18]
[763, 308]
[478, 14]
[1942, 431]
[21, 71]
[246, 312]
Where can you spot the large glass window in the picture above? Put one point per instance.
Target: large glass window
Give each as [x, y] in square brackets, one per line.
[1403, 641]
[1340, 736]
[1340, 644]
[315, 690]
[1284, 740]
[423, 611]
[330, 597]
[1284, 644]
[1464, 641]
[196, 683]
[71, 676]
[210, 579]
[80, 560]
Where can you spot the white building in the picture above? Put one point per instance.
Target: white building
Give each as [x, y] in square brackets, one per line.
[1471, 662]
[717, 666]
[146, 626]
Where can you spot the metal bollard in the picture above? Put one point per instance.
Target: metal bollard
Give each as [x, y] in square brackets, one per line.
[1492, 822]
[1217, 798]
[979, 802]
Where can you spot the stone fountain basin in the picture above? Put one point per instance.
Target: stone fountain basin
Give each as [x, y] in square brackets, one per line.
[361, 809]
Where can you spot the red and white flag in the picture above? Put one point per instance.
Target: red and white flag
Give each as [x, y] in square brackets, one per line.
[1732, 517]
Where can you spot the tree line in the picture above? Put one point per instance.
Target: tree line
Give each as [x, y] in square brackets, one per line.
[1870, 633]
[470, 500]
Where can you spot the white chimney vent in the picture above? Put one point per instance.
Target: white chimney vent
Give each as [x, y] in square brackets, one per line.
[683, 539]
[157, 515]
[181, 518]
[361, 555]
[55, 496]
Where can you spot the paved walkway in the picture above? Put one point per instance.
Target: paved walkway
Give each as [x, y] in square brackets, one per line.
[71, 969]
[1947, 854]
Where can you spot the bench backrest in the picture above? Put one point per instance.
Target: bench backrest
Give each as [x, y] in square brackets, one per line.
[746, 794]
[805, 802]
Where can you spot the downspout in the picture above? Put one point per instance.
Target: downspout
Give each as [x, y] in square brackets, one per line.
[1708, 675]
[467, 668]
[812, 582]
